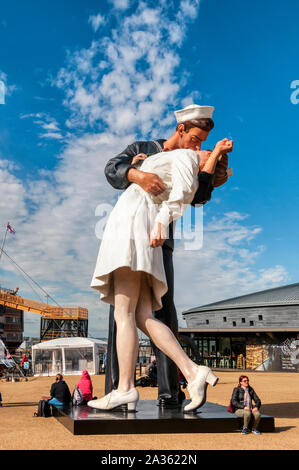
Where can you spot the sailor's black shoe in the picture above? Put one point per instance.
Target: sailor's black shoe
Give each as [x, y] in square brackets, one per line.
[169, 403]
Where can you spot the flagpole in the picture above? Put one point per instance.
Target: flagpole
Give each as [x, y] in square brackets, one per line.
[3, 241]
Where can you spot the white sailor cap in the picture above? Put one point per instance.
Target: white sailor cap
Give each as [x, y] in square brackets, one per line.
[194, 111]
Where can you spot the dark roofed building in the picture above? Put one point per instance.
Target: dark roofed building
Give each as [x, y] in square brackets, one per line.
[248, 331]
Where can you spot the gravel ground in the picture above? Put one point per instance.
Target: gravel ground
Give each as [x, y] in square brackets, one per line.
[279, 393]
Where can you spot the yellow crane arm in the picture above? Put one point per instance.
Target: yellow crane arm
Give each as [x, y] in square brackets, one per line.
[49, 311]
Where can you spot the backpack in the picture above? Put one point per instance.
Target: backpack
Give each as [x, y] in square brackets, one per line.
[43, 410]
[77, 397]
[144, 382]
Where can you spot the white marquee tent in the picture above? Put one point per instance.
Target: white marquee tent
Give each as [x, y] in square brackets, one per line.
[68, 356]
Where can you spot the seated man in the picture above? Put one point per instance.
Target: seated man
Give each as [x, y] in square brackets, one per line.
[60, 393]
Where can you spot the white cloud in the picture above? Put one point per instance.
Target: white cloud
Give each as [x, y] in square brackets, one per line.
[126, 80]
[47, 123]
[120, 4]
[96, 21]
[51, 126]
[273, 276]
[13, 194]
[54, 219]
[8, 89]
[189, 8]
[52, 135]
[194, 97]
[3, 76]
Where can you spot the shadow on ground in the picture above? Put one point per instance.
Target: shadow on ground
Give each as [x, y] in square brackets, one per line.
[281, 410]
[283, 428]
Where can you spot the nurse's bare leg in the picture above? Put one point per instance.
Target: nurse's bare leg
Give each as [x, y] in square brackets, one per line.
[126, 294]
[160, 334]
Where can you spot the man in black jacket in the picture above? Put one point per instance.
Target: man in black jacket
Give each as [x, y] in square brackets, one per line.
[60, 393]
[194, 125]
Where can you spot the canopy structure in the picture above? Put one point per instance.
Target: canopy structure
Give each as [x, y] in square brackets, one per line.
[68, 356]
[4, 360]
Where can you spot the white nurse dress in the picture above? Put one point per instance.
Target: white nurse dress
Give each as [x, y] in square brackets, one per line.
[126, 238]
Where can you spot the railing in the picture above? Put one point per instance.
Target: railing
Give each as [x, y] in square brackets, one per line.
[223, 362]
[55, 334]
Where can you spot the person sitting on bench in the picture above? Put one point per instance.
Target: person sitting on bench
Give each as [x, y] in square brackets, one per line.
[60, 393]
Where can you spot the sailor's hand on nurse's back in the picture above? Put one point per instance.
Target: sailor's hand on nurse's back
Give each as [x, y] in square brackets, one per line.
[158, 235]
[224, 146]
[151, 183]
[139, 157]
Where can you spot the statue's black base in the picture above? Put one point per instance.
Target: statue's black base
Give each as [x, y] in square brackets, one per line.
[150, 419]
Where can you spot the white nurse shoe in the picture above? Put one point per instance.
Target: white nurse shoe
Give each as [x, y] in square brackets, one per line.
[198, 388]
[127, 401]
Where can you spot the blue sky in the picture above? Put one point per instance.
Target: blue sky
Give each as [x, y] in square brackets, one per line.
[83, 80]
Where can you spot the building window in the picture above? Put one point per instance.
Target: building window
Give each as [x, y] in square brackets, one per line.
[234, 323]
[13, 336]
[12, 319]
[207, 322]
[251, 323]
[243, 320]
[260, 317]
[224, 318]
